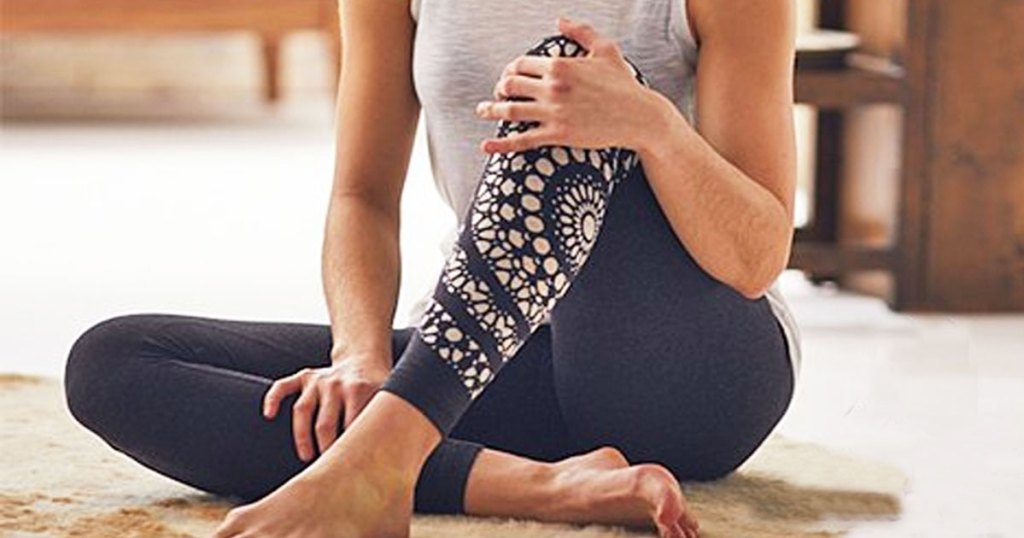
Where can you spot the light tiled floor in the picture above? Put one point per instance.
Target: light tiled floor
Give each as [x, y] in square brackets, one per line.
[224, 219]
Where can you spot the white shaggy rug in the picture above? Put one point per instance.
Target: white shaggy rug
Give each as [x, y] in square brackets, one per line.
[59, 480]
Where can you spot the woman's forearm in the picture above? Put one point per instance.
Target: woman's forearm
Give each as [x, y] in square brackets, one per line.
[361, 272]
[734, 227]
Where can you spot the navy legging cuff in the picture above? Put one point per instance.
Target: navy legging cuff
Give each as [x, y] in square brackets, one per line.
[447, 470]
[429, 384]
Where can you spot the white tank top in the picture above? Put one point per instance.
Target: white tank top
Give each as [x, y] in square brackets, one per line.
[461, 47]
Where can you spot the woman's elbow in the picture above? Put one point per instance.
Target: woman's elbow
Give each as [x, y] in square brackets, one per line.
[754, 289]
[761, 271]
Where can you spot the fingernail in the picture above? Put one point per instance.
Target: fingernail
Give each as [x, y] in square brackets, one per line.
[480, 107]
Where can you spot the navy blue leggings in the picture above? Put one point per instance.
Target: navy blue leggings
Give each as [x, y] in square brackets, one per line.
[644, 351]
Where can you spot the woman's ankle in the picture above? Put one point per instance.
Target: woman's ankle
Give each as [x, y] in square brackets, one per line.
[501, 484]
[389, 434]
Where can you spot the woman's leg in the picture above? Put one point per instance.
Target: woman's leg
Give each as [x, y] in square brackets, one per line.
[533, 223]
[529, 469]
[531, 227]
[697, 377]
[535, 218]
[182, 395]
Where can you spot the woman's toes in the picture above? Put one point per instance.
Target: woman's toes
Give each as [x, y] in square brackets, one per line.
[661, 490]
[228, 528]
[690, 522]
[672, 531]
[611, 457]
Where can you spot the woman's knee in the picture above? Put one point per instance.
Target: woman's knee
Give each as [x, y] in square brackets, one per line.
[713, 443]
[95, 360]
[700, 419]
[558, 45]
[714, 453]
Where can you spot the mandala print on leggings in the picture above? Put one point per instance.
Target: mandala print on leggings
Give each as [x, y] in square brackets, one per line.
[443, 335]
[535, 218]
[479, 302]
[509, 230]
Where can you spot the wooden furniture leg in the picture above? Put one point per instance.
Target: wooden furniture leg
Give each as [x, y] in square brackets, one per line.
[271, 45]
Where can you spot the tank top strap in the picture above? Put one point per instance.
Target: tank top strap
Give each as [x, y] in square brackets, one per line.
[679, 23]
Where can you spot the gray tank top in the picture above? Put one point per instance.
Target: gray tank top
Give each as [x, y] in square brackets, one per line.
[461, 47]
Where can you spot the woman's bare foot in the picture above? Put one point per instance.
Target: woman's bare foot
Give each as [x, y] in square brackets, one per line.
[601, 487]
[313, 505]
[597, 487]
[360, 487]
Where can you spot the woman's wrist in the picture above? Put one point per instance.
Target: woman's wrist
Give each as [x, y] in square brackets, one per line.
[659, 127]
[370, 353]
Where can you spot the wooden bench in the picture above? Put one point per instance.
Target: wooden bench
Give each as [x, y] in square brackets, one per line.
[270, 19]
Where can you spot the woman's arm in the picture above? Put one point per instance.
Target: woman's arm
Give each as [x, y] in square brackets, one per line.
[727, 187]
[376, 124]
[377, 111]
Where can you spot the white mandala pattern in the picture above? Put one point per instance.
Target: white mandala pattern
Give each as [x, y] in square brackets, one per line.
[440, 332]
[479, 301]
[512, 232]
[580, 210]
[532, 210]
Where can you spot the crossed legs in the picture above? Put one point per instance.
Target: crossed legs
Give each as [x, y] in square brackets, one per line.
[669, 366]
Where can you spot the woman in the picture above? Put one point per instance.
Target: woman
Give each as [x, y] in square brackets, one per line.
[550, 375]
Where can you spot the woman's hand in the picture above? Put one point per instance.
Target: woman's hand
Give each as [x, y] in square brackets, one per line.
[590, 101]
[347, 386]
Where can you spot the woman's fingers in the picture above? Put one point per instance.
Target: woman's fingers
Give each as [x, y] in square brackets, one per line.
[328, 415]
[520, 86]
[511, 110]
[583, 34]
[279, 391]
[356, 399]
[302, 421]
[586, 35]
[531, 66]
[536, 137]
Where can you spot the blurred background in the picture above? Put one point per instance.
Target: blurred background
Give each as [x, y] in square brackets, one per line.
[173, 156]
[165, 156]
[158, 158]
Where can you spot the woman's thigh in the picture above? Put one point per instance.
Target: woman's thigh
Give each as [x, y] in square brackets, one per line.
[183, 394]
[265, 349]
[655, 356]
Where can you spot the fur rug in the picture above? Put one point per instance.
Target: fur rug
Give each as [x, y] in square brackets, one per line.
[59, 480]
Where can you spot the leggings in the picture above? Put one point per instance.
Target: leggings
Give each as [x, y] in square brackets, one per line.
[643, 351]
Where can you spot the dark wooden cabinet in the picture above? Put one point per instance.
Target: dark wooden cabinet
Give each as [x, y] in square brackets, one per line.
[919, 187]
